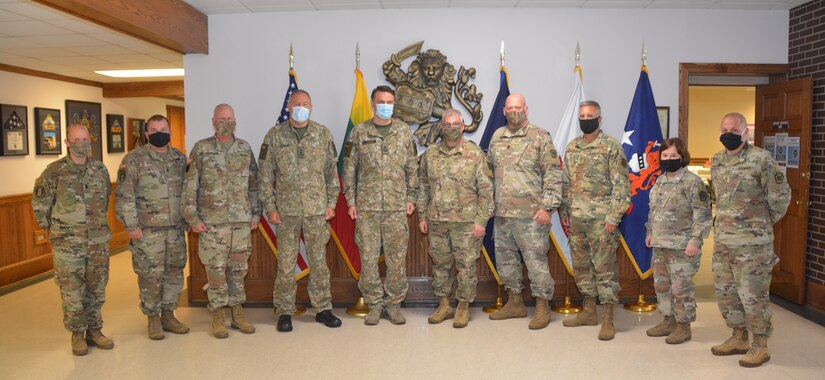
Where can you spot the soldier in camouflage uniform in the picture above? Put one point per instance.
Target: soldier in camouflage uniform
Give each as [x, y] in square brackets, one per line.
[677, 224]
[527, 180]
[752, 194]
[299, 156]
[380, 184]
[220, 202]
[147, 201]
[455, 201]
[70, 200]
[596, 196]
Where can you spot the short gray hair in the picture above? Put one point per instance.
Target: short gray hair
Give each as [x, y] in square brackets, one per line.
[451, 112]
[592, 103]
[743, 122]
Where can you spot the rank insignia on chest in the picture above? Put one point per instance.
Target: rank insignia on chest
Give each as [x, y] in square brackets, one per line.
[779, 177]
[384, 149]
[301, 152]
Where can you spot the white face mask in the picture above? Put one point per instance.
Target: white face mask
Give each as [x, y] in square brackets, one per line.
[384, 111]
[300, 114]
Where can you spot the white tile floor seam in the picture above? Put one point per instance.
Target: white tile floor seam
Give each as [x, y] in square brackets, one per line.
[34, 345]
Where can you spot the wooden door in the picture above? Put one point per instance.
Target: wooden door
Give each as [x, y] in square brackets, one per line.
[785, 108]
[177, 121]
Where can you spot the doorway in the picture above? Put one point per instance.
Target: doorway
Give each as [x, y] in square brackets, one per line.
[177, 124]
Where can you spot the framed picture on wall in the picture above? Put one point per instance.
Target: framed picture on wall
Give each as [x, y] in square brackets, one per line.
[14, 130]
[664, 120]
[47, 131]
[136, 137]
[115, 138]
[87, 114]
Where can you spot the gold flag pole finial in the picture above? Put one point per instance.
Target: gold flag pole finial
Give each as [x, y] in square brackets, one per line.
[501, 53]
[291, 57]
[644, 54]
[357, 56]
[578, 54]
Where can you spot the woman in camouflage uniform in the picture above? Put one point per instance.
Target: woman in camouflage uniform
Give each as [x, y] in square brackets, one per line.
[679, 221]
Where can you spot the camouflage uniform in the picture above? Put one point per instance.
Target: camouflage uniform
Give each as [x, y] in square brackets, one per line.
[221, 190]
[596, 191]
[752, 194]
[147, 197]
[306, 177]
[70, 201]
[380, 177]
[527, 176]
[456, 191]
[673, 202]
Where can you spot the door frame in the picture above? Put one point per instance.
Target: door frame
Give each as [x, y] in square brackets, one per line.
[776, 72]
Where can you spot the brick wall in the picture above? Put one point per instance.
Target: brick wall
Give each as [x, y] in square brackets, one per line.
[806, 57]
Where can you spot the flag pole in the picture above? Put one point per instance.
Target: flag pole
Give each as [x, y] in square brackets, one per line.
[360, 308]
[490, 309]
[567, 307]
[640, 305]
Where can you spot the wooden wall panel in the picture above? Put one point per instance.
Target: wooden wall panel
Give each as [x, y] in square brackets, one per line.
[24, 248]
[262, 266]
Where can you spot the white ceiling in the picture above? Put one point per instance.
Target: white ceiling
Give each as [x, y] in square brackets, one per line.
[37, 37]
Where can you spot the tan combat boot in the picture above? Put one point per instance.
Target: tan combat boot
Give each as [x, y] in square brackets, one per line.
[155, 331]
[586, 317]
[462, 315]
[607, 332]
[758, 354]
[664, 328]
[79, 346]
[96, 338]
[395, 316]
[443, 312]
[736, 344]
[542, 317]
[172, 324]
[514, 308]
[239, 321]
[681, 333]
[219, 324]
[373, 316]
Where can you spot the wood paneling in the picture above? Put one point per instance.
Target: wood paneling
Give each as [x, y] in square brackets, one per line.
[815, 296]
[262, 267]
[173, 24]
[21, 256]
[167, 89]
[43, 74]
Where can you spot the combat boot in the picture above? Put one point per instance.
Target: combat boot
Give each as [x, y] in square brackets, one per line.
[664, 328]
[736, 344]
[681, 333]
[239, 321]
[586, 317]
[155, 331]
[169, 323]
[758, 354]
[514, 308]
[542, 317]
[96, 338]
[395, 316]
[79, 346]
[219, 324]
[607, 332]
[443, 312]
[373, 316]
[462, 315]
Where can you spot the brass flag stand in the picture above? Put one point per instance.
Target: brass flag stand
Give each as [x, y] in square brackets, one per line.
[360, 308]
[499, 304]
[640, 305]
[567, 307]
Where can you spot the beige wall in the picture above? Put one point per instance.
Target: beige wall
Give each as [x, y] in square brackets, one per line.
[708, 104]
[19, 172]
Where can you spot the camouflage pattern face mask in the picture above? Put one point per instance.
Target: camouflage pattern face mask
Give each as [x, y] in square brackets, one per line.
[80, 148]
[225, 128]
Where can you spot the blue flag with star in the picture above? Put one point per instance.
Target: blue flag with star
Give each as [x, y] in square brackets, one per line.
[293, 85]
[641, 142]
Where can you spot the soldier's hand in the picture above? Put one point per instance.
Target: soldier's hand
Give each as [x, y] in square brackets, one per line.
[609, 228]
[274, 217]
[478, 231]
[565, 222]
[422, 225]
[253, 224]
[198, 228]
[691, 250]
[352, 213]
[648, 240]
[136, 234]
[410, 208]
[329, 214]
[542, 217]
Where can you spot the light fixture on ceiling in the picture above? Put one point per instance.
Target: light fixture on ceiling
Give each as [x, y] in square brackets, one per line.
[141, 73]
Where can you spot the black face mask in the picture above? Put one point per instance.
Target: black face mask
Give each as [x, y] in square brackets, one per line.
[588, 126]
[159, 139]
[671, 165]
[730, 140]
